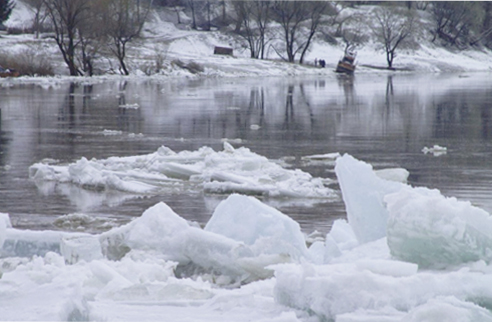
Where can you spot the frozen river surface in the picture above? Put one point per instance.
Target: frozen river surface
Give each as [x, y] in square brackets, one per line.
[384, 120]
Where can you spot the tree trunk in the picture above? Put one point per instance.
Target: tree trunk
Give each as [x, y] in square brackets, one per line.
[192, 7]
[306, 47]
[389, 58]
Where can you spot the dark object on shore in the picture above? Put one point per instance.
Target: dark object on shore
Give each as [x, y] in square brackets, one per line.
[347, 63]
[5, 72]
[401, 69]
[222, 51]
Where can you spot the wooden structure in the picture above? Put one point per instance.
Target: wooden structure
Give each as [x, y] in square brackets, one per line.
[222, 51]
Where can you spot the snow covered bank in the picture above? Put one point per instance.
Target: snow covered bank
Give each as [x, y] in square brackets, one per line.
[176, 47]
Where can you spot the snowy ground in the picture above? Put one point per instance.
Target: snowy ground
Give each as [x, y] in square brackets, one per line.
[164, 40]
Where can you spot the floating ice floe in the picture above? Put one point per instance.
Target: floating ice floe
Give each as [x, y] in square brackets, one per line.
[130, 106]
[83, 222]
[383, 290]
[424, 230]
[231, 170]
[321, 157]
[393, 174]
[423, 258]
[436, 150]
[421, 225]
[240, 240]
[431, 230]
[4, 224]
[270, 231]
[363, 192]
[112, 132]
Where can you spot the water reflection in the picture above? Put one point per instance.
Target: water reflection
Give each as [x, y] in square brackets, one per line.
[4, 140]
[485, 117]
[385, 120]
[346, 82]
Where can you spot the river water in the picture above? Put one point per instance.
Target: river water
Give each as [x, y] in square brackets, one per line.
[384, 120]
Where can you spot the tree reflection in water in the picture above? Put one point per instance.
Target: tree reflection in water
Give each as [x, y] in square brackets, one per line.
[383, 119]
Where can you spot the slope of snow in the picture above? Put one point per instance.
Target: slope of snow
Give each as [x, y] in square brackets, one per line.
[163, 43]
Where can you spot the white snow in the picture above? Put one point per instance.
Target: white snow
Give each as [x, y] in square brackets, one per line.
[164, 41]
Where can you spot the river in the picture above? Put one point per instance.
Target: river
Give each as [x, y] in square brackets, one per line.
[385, 120]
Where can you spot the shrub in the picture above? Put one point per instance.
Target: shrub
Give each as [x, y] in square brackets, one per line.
[193, 67]
[29, 62]
[18, 31]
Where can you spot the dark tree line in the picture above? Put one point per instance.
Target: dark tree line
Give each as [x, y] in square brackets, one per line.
[6, 7]
[82, 27]
[462, 23]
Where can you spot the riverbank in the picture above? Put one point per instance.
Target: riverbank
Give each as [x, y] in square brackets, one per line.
[175, 50]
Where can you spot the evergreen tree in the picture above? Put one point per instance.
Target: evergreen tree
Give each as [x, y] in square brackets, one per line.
[6, 7]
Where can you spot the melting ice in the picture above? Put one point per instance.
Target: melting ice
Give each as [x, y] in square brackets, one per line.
[231, 170]
[403, 254]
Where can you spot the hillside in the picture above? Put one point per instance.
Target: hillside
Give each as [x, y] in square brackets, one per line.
[172, 49]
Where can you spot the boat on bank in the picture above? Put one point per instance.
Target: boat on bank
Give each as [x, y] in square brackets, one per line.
[347, 63]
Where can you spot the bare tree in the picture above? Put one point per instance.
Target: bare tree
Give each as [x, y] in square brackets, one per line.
[124, 20]
[39, 11]
[191, 4]
[209, 6]
[92, 35]
[353, 36]
[6, 7]
[255, 17]
[291, 15]
[315, 11]
[66, 17]
[177, 8]
[456, 20]
[339, 18]
[393, 27]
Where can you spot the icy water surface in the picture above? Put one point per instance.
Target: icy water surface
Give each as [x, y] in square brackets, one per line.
[384, 120]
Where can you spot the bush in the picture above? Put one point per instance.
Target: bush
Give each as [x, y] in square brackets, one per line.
[193, 67]
[18, 31]
[157, 64]
[29, 62]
